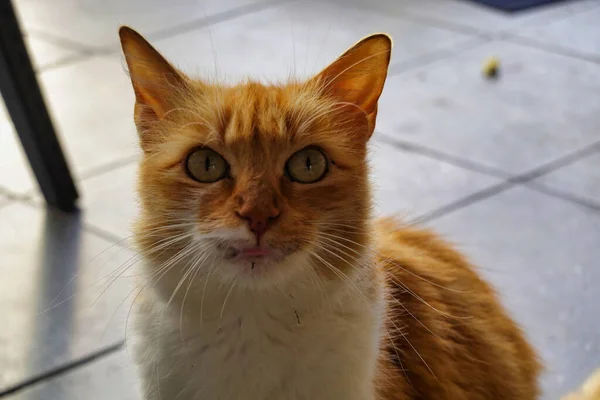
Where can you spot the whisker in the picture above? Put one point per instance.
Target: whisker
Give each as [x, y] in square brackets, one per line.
[187, 269]
[341, 275]
[411, 292]
[354, 65]
[387, 260]
[210, 270]
[226, 298]
[411, 346]
[198, 267]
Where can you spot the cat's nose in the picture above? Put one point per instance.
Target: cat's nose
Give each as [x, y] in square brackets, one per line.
[259, 218]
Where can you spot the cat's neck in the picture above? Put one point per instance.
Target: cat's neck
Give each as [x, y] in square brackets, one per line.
[304, 294]
[284, 329]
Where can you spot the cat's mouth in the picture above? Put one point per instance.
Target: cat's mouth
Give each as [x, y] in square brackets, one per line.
[254, 258]
[246, 259]
[250, 252]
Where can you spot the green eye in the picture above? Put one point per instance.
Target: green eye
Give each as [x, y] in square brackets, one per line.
[308, 165]
[206, 165]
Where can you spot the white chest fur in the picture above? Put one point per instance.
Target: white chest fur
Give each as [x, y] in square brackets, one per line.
[260, 347]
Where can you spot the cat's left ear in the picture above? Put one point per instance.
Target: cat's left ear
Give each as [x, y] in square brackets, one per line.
[357, 76]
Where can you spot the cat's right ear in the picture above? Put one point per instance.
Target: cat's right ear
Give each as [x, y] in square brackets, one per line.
[156, 83]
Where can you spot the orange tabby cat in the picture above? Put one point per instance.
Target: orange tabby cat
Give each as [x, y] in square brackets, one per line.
[265, 276]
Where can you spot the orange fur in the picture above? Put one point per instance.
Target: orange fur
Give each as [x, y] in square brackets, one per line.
[449, 332]
[446, 336]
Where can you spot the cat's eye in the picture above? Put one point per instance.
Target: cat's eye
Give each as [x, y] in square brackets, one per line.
[206, 165]
[308, 165]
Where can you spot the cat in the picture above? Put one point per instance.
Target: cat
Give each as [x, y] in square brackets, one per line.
[264, 275]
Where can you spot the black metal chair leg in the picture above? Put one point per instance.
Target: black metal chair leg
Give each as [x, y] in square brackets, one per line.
[25, 104]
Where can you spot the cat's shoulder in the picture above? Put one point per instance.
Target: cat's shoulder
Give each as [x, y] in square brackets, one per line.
[395, 240]
[422, 259]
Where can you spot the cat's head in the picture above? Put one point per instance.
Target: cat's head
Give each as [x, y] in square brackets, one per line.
[256, 181]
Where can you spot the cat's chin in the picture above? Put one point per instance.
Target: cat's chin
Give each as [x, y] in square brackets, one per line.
[261, 265]
[255, 268]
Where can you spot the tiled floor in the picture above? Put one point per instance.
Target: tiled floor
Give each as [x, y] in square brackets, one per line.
[506, 169]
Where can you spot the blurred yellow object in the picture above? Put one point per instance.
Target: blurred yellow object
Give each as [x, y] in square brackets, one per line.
[491, 67]
[590, 390]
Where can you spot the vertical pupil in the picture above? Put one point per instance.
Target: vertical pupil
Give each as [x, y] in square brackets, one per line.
[207, 163]
[308, 163]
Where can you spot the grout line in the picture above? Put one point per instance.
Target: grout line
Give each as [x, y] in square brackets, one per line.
[66, 61]
[59, 41]
[215, 18]
[108, 167]
[508, 33]
[557, 163]
[564, 196]
[544, 21]
[199, 23]
[4, 191]
[474, 166]
[13, 196]
[422, 19]
[114, 239]
[106, 235]
[435, 56]
[90, 173]
[463, 202]
[433, 22]
[552, 48]
[85, 52]
[509, 181]
[566, 15]
[513, 35]
[445, 157]
[61, 370]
